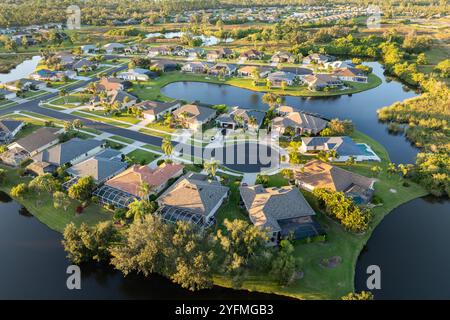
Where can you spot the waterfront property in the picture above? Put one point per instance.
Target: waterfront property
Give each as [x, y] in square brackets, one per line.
[222, 69]
[7, 94]
[67, 153]
[322, 81]
[193, 116]
[317, 58]
[194, 197]
[282, 212]
[164, 66]
[30, 145]
[249, 71]
[25, 85]
[345, 148]
[318, 174]
[155, 110]
[196, 67]
[241, 118]
[278, 78]
[299, 122]
[351, 74]
[9, 129]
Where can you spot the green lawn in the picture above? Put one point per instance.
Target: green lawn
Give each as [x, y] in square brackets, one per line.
[142, 157]
[122, 139]
[114, 145]
[121, 117]
[30, 93]
[72, 100]
[41, 206]
[319, 282]
[159, 125]
[98, 119]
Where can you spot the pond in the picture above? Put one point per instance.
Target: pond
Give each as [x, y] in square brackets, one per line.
[360, 107]
[22, 70]
[34, 267]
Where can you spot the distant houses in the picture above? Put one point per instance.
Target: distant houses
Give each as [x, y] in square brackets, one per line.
[318, 174]
[317, 58]
[114, 48]
[252, 54]
[89, 48]
[282, 57]
[222, 69]
[192, 198]
[298, 122]
[196, 67]
[7, 94]
[345, 148]
[24, 85]
[219, 54]
[281, 212]
[136, 74]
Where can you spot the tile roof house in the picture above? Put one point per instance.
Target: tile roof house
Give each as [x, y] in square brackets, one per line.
[237, 117]
[282, 57]
[248, 71]
[350, 74]
[193, 116]
[70, 152]
[9, 128]
[321, 81]
[109, 84]
[155, 110]
[130, 180]
[280, 211]
[301, 122]
[318, 174]
[345, 148]
[219, 54]
[193, 197]
[100, 167]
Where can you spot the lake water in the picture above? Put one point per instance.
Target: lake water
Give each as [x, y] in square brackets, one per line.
[22, 70]
[33, 266]
[207, 40]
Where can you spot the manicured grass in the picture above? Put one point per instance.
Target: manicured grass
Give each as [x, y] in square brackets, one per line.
[154, 133]
[91, 130]
[30, 93]
[122, 139]
[41, 206]
[98, 119]
[6, 103]
[72, 101]
[159, 125]
[142, 157]
[54, 107]
[319, 282]
[152, 147]
[114, 145]
[120, 117]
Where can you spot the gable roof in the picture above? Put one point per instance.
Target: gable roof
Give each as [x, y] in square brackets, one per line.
[246, 114]
[38, 139]
[344, 146]
[319, 174]
[349, 72]
[156, 107]
[67, 151]
[194, 112]
[195, 193]
[130, 180]
[300, 120]
[268, 206]
[8, 126]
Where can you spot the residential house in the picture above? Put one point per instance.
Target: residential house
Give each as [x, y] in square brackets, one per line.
[100, 167]
[281, 212]
[299, 122]
[244, 118]
[193, 116]
[222, 69]
[114, 48]
[252, 54]
[30, 145]
[196, 67]
[125, 187]
[318, 174]
[248, 71]
[84, 65]
[89, 48]
[9, 128]
[321, 81]
[351, 74]
[136, 74]
[317, 58]
[282, 57]
[25, 85]
[67, 153]
[164, 66]
[161, 50]
[277, 78]
[219, 54]
[65, 58]
[339, 64]
[192, 53]
[299, 72]
[123, 98]
[47, 75]
[113, 84]
[6, 94]
[345, 148]
[155, 110]
[192, 198]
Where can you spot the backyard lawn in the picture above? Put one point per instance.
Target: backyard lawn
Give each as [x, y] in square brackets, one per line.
[139, 156]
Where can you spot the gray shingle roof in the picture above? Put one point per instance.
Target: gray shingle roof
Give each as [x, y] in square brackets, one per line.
[67, 151]
[98, 168]
[9, 125]
[268, 206]
[38, 139]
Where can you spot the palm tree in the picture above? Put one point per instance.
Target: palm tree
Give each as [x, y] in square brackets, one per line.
[332, 154]
[63, 93]
[144, 189]
[167, 147]
[391, 169]
[252, 121]
[211, 167]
